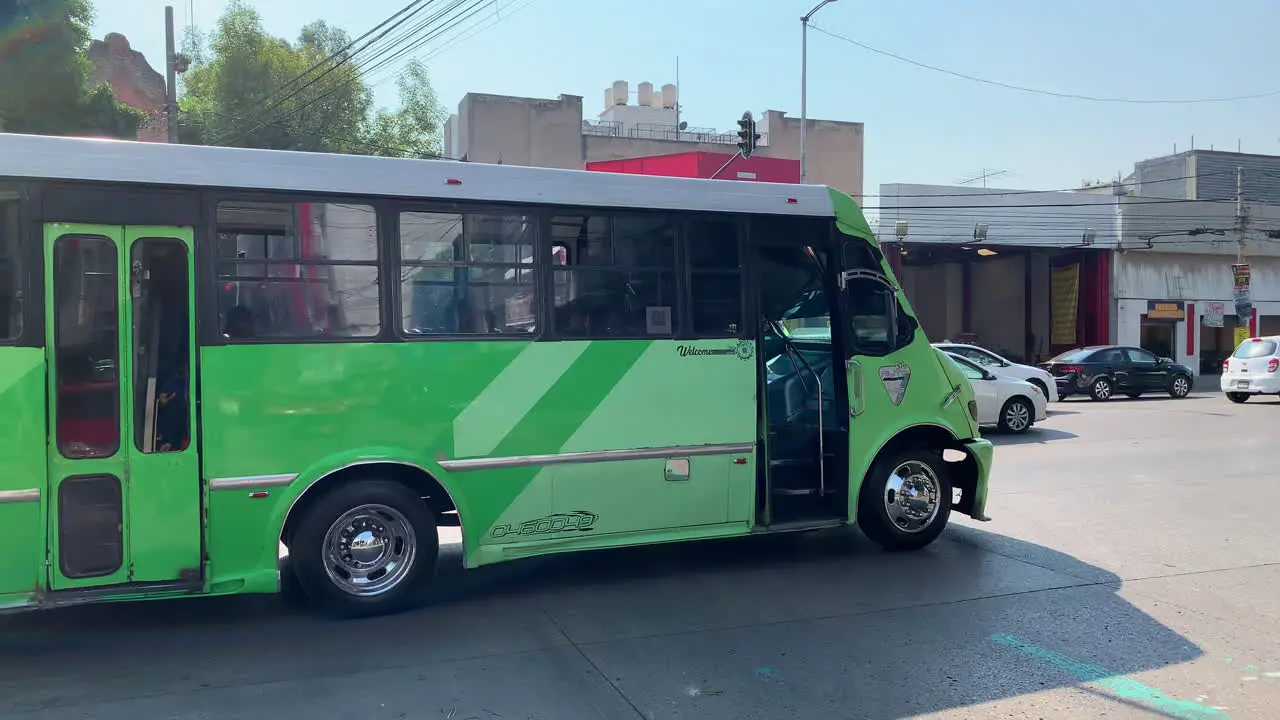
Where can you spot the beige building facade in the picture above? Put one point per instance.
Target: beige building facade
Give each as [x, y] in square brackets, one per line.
[557, 134]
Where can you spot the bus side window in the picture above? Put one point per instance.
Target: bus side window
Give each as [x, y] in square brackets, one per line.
[879, 323]
[297, 272]
[619, 278]
[10, 269]
[715, 278]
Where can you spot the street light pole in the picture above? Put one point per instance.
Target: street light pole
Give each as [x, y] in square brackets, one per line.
[804, 88]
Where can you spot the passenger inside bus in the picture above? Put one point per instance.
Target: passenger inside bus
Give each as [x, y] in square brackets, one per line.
[239, 323]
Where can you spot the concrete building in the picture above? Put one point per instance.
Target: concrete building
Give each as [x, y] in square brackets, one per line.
[1207, 175]
[132, 79]
[556, 133]
[1054, 269]
[1024, 273]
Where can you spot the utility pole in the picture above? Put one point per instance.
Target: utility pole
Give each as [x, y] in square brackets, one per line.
[1240, 272]
[1242, 215]
[171, 75]
[804, 89]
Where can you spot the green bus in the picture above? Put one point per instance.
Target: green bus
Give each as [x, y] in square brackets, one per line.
[208, 353]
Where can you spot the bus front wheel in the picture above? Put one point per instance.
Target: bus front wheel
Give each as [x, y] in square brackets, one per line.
[905, 500]
[366, 548]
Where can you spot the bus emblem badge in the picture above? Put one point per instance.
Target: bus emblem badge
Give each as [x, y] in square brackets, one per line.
[895, 379]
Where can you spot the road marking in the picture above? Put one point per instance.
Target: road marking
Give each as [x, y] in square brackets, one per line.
[1118, 685]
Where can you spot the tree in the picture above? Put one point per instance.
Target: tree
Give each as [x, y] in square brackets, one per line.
[415, 125]
[44, 84]
[246, 88]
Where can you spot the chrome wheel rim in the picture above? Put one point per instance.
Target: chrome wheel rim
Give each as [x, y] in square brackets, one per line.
[1017, 416]
[1181, 386]
[912, 496]
[1103, 389]
[369, 550]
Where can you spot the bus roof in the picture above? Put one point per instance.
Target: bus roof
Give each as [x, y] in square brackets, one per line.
[126, 161]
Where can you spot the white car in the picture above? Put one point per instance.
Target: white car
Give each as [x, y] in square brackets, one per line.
[1000, 366]
[1012, 405]
[1253, 369]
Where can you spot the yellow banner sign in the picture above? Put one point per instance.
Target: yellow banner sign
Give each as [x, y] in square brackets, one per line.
[1242, 334]
[1065, 300]
[1166, 310]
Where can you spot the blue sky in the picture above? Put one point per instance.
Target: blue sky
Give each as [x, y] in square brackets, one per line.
[922, 126]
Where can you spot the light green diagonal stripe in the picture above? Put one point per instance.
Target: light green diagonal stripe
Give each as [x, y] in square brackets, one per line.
[713, 403]
[511, 395]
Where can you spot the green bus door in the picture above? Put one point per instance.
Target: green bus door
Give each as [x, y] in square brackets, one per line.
[124, 476]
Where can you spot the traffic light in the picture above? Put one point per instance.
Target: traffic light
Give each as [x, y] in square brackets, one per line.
[747, 135]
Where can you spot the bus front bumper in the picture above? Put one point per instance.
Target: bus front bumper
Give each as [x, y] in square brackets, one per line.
[973, 502]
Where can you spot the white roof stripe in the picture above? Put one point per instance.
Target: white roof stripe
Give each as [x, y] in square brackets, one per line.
[58, 158]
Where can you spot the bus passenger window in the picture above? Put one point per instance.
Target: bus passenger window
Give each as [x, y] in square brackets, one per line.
[301, 272]
[618, 278]
[10, 269]
[715, 278]
[86, 347]
[467, 274]
[161, 341]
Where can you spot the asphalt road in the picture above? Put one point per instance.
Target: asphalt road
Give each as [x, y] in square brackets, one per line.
[1132, 570]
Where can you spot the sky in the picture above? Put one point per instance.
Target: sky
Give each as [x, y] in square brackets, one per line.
[922, 125]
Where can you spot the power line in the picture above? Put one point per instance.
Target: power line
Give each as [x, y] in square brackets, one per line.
[1077, 190]
[475, 30]
[335, 60]
[403, 152]
[885, 208]
[1038, 91]
[414, 36]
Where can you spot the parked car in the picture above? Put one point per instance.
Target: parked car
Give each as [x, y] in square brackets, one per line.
[1010, 404]
[1253, 369]
[1103, 371]
[1001, 366]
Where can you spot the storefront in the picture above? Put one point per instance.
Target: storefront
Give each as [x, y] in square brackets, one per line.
[1182, 306]
[1026, 303]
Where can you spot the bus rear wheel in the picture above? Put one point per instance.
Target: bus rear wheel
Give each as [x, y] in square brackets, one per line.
[905, 500]
[366, 548]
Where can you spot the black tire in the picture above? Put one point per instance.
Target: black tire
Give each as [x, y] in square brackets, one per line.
[1179, 386]
[1238, 397]
[1101, 390]
[1044, 389]
[1017, 416]
[292, 593]
[874, 501]
[387, 508]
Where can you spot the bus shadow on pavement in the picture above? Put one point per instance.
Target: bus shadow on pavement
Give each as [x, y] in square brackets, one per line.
[784, 625]
[1034, 436]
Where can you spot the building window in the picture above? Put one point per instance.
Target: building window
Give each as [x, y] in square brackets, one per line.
[715, 278]
[467, 274]
[10, 269]
[297, 271]
[613, 275]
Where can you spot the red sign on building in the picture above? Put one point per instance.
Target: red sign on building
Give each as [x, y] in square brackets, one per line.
[704, 165]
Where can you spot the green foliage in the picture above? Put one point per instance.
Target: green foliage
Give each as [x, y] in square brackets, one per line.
[44, 84]
[246, 88]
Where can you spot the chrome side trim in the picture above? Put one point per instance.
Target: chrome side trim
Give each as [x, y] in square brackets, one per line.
[593, 456]
[19, 496]
[251, 482]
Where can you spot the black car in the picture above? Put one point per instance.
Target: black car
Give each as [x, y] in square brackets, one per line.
[1104, 371]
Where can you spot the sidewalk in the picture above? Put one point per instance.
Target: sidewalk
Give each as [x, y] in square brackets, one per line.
[1206, 384]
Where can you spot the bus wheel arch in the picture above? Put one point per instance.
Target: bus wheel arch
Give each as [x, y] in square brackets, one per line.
[962, 468]
[416, 478]
[363, 540]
